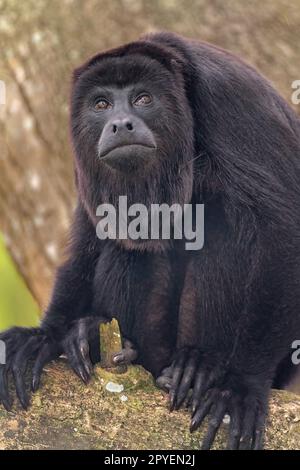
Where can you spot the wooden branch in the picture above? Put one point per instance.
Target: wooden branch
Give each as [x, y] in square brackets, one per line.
[121, 411]
[65, 414]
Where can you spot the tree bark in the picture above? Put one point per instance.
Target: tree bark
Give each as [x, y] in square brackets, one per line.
[65, 414]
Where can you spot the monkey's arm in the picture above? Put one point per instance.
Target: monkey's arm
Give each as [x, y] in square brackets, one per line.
[71, 299]
[233, 374]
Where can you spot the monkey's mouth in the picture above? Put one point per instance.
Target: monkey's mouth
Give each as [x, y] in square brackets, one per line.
[129, 158]
[129, 148]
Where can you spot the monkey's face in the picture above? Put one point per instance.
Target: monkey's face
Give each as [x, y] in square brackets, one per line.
[123, 117]
[132, 131]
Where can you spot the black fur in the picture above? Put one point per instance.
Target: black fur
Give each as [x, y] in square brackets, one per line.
[221, 320]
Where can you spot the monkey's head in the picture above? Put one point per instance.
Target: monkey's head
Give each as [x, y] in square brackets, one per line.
[132, 127]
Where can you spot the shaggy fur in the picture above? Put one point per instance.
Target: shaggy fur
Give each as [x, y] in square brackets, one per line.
[225, 316]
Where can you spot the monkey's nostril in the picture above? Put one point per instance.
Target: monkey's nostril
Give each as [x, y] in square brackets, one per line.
[115, 128]
[129, 126]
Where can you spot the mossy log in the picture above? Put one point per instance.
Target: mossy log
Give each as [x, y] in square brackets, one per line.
[65, 414]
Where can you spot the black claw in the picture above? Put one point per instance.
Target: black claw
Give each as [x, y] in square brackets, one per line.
[20, 365]
[214, 424]
[127, 355]
[84, 350]
[186, 381]
[81, 372]
[74, 356]
[178, 370]
[202, 411]
[45, 355]
[24, 403]
[83, 376]
[21, 393]
[119, 358]
[7, 404]
[79, 368]
[89, 369]
[193, 425]
[35, 383]
[20, 387]
[198, 390]
[172, 400]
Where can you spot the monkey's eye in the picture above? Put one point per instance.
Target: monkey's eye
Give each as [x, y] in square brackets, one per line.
[102, 104]
[143, 100]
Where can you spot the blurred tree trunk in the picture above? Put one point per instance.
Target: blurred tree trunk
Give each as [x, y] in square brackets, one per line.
[36, 191]
[41, 42]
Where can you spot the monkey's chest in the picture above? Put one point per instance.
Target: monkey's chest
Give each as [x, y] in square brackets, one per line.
[139, 290]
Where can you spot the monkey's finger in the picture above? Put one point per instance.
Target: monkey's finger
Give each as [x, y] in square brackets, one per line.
[178, 370]
[164, 381]
[125, 356]
[202, 411]
[76, 362]
[235, 428]
[248, 428]
[214, 424]
[19, 366]
[81, 340]
[259, 433]
[84, 349]
[186, 381]
[46, 354]
[4, 394]
[199, 389]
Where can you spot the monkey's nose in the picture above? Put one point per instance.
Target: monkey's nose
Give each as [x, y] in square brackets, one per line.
[123, 131]
[122, 125]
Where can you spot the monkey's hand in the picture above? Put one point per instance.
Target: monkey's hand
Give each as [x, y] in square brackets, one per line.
[82, 347]
[246, 403]
[185, 374]
[22, 345]
[216, 392]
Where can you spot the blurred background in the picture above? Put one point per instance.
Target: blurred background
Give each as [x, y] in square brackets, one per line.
[41, 42]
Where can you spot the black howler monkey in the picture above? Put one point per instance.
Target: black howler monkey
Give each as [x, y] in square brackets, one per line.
[171, 120]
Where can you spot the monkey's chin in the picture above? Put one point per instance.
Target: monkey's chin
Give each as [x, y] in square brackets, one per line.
[129, 158]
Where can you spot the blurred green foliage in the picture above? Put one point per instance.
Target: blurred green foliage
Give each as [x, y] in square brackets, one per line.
[17, 306]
